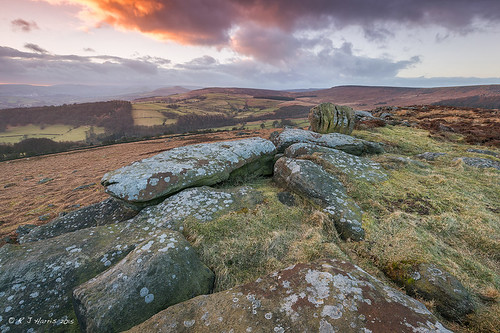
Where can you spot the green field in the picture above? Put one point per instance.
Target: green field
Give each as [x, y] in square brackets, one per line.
[54, 132]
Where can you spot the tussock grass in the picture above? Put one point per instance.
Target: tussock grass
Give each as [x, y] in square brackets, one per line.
[446, 213]
[244, 245]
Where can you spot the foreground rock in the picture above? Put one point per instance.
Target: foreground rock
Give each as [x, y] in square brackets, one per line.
[201, 203]
[433, 283]
[203, 164]
[338, 141]
[323, 189]
[105, 212]
[37, 278]
[323, 296]
[160, 272]
[354, 167]
[330, 118]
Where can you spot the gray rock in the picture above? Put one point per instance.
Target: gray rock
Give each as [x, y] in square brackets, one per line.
[83, 187]
[483, 151]
[160, 272]
[202, 203]
[338, 141]
[45, 180]
[37, 278]
[44, 217]
[323, 189]
[354, 167]
[363, 114]
[405, 160]
[481, 163]
[386, 115]
[433, 283]
[24, 229]
[323, 296]
[203, 164]
[104, 212]
[9, 185]
[430, 156]
[330, 118]
[286, 198]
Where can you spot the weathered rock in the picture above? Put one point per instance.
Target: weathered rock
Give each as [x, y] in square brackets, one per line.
[203, 164]
[202, 203]
[404, 160]
[101, 213]
[37, 278]
[323, 296]
[363, 114]
[481, 163]
[45, 180]
[354, 167]
[483, 151]
[160, 272]
[24, 229]
[44, 217]
[330, 118]
[338, 141]
[430, 156]
[323, 189]
[286, 198]
[83, 187]
[431, 282]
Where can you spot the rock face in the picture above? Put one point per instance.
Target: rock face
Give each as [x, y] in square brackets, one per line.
[330, 118]
[160, 272]
[101, 213]
[430, 282]
[353, 166]
[338, 141]
[323, 189]
[202, 203]
[323, 296]
[37, 278]
[203, 164]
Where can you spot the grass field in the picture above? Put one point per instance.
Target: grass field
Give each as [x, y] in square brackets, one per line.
[54, 132]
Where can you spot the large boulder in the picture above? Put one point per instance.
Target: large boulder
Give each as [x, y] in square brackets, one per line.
[355, 167]
[323, 296]
[37, 278]
[162, 271]
[338, 141]
[201, 203]
[330, 118]
[101, 213]
[197, 165]
[433, 283]
[322, 188]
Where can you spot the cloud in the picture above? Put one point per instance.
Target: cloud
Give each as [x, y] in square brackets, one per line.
[35, 48]
[23, 25]
[88, 49]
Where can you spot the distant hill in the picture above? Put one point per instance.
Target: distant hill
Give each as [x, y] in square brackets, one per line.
[21, 95]
[367, 98]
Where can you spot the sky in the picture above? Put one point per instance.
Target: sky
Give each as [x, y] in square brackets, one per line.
[274, 44]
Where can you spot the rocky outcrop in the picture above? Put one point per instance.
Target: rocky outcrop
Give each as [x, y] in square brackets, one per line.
[201, 203]
[37, 278]
[430, 156]
[323, 189]
[323, 296]
[354, 167]
[197, 165]
[105, 212]
[162, 271]
[330, 118]
[483, 152]
[433, 283]
[338, 141]
[480, 163]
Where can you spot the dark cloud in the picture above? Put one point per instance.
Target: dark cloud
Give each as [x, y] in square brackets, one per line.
[35, 48]
[23, 25]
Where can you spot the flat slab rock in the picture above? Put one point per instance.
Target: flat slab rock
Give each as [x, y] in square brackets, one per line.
[322, 296]
[201, 203]
[322, 188]
[37, 278]
[338, 141]
[189, 166]
[162, 271]
[355, 167]
[105, 212]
